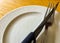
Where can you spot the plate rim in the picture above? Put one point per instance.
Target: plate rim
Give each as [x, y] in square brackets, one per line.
[14, 11]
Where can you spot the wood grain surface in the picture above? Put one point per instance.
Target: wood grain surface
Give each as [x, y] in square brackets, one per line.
[8, 5]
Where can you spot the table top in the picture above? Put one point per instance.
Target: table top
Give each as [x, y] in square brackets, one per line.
[8, 5]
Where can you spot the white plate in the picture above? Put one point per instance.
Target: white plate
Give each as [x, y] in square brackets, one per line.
[17, 24]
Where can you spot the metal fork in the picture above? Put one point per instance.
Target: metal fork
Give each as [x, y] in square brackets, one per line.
[51, 19]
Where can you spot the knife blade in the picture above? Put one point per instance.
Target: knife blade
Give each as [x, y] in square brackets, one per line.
[33, 35]
[39, 28]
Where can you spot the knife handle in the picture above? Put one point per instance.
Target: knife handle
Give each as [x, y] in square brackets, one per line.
[29, 38]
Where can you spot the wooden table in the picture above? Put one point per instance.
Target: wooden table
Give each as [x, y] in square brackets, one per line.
[8, 5]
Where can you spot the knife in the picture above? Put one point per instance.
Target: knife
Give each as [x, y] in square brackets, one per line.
[31, 38]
